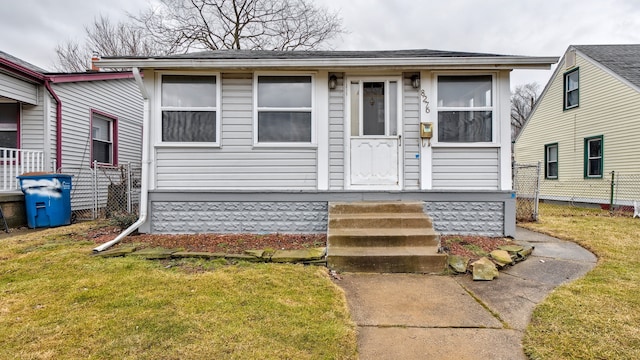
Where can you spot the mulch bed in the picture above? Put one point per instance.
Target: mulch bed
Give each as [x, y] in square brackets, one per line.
[215, 243]
[238, 243]
[468, 246]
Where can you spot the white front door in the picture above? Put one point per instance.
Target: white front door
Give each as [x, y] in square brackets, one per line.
[374, 135]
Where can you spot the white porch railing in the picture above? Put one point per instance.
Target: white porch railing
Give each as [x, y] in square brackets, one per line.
[16, 162]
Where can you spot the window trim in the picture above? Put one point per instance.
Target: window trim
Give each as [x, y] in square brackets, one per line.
[113, 123]
[160, 109]
[586, 157]
[546, 161]
[18, 121]
[565, 91]
[493, 108]
[312, 109]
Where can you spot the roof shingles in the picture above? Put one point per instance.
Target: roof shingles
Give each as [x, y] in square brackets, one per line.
[623, 60]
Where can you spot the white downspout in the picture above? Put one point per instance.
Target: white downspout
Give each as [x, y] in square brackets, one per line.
[144, 190]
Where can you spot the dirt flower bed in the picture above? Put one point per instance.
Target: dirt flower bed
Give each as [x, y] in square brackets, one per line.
[215, 243]
[472, 247]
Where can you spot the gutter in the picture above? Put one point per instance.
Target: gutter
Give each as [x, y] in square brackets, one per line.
[144, 190]
[47, 85]
[489, 62]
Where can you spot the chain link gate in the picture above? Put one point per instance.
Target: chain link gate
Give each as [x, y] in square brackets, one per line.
[526, 183]
[104, 191]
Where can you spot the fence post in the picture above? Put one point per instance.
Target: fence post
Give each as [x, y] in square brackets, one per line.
[95, 190]
[613, 178]
[537, 192]
[129, 187]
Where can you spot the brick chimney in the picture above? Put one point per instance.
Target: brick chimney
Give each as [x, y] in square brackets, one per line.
[95, 57]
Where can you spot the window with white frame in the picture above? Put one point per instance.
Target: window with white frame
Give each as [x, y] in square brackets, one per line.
[189, 108]
[572, 89]
[284, 110]
[9, 115]
[593, 164]
[551, 161]
[103, 138]
[465, 108]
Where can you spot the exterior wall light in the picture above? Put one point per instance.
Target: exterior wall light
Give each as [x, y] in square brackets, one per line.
[333, 82]
[415, 81]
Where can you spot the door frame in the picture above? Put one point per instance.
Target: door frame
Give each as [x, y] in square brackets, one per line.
[347, 130]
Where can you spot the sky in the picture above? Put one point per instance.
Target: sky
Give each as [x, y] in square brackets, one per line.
[30, 29]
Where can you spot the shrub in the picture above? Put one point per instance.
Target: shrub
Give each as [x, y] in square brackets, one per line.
[122, 219]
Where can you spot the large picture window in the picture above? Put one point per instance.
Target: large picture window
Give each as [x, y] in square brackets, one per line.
[551, 161]
[284, 109]
[9, 114]
[465, 108]
[571, 89]
[190, 109]
[103, 139]
[593, 157]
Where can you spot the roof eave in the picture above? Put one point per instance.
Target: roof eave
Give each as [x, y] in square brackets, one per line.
[502, 62]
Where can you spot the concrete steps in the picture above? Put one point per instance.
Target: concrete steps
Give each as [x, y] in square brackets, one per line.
[386, 237]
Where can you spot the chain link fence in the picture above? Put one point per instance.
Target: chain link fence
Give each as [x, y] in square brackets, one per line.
[526, 183]
[617, 192]
[104, 191]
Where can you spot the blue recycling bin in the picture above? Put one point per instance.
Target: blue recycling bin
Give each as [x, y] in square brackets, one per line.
[47, 199]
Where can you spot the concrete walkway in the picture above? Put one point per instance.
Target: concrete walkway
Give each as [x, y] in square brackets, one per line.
[409, 316]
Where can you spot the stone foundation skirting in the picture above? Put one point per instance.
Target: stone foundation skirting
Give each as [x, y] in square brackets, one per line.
[459, 213]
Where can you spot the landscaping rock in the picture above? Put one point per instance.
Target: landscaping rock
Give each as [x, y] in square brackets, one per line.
[524, 253]
[256, 253]
[243, 257]
[458, 263]
[484, 269]
[303, 255]
[117, 252]
[192, 254]
[511, 248]
[154, 253]
[501, 257]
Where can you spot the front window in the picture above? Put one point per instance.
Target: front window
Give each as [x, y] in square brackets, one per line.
[551, 161]
[571, 89]
[284, 109]
[190, 109]
[103, 138]
[465, 108]
[593, 164]
[9, 114]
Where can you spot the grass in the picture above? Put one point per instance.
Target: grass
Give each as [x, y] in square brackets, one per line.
[57, 302]
[598, 316]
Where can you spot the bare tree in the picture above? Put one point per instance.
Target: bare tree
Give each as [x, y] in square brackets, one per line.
[523, 98]
[186, 25]
[107, 39]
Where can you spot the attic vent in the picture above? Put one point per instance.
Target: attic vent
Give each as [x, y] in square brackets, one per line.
[570, 59]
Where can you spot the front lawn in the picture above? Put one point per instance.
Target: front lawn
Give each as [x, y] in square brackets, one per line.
[598, 316]
[57, 302]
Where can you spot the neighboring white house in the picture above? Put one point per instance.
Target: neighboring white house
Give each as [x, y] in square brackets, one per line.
[52, 122]
[262, 141]
[585, 125]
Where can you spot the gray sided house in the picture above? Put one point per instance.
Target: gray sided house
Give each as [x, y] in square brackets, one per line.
[262, 141]
[51, 122]
[585, 126]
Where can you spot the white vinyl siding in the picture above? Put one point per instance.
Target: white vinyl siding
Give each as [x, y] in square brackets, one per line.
[411, 135]
[237, 164]
[336, 136]
[466, 169]
[19, 90]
